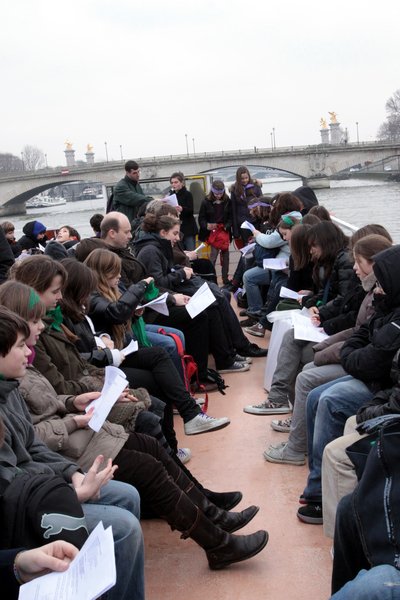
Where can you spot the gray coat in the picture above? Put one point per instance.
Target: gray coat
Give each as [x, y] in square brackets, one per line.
[22, 450]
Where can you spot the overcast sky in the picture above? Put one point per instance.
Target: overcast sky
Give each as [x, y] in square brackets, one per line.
[142, 74]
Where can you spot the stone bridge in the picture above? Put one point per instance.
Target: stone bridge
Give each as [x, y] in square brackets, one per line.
[307, 162]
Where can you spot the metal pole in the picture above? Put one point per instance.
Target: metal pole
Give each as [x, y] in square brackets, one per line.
[358, 139]
[105, 145]
[187, 147]
[194, 147]
[273, 129]
[45, 157]
[22, 158]
[120, 149]
[272, 141]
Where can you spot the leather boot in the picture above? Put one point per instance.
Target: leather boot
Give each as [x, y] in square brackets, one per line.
[225, 500]
[227, 521]
[222, 548]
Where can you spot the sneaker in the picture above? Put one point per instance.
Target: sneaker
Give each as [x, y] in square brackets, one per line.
[311, 513]
[257, 330]
[236, 367]
[184, 455]
[267, 408]
[253, 350]
[284, 456]
[247, 322]
[242, 359]
[203, 423]
[282, 424]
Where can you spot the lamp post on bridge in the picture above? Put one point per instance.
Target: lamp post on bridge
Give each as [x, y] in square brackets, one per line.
[23, 163]
[272, 141]
[120, 150]
[358, 139]
[45, 158]
[187, 147]
[105, 145]
[273, 131]
[194, 147]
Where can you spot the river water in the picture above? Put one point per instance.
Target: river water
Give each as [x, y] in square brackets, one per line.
[355, 201]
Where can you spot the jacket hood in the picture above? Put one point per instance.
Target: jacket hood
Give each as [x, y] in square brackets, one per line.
[33, 228]
[307, 196]
[386, 269]
[151, 239]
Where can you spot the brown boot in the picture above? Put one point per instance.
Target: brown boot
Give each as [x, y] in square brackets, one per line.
[222, 548]
[227, 521]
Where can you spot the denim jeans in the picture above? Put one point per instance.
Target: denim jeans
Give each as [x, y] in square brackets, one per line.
[119, 506]
[328, 408]
[379, 583]
[166, 342]
[189, 242]
[252, 280]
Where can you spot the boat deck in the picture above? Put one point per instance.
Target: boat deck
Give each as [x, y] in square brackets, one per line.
[295, 565]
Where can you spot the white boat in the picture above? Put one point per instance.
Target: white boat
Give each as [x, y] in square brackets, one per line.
[45, 202]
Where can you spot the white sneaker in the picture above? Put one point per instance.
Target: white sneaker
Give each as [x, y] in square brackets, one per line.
[203, 423]
[184, 455]
[240, 358]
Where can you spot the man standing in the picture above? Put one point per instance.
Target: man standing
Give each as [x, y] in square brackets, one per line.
[128, 193]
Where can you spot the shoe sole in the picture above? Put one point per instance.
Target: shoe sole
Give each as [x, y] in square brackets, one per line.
[215, 428]
[310, 520]
[284, 461]
[256, 551]
[255, 333]
[241, 525]
[272, 411]
[243, 369]
[280, 428]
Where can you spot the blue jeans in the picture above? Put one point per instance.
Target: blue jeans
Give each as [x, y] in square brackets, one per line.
[166, 342]
[379, 583]
[328, 408]
[189, 242]
[119, 506]
[252, 280]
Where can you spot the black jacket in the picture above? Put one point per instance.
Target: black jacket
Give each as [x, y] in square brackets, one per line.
[188, 222]
[86, 343]
[369, 352]
[155, 253]
[6, 256]
[207, 215]
[341, 312]
[339, 281]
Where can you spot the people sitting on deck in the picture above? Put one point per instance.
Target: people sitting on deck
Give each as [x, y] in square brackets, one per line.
[9, 231]
[329, 305]
[34, 480]
[34, 236]
[163, 486]
[326, 365]
[367, 358]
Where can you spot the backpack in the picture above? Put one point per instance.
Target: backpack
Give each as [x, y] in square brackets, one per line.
[189, 368]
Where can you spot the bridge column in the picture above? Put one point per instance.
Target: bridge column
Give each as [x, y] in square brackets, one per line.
[13, 208]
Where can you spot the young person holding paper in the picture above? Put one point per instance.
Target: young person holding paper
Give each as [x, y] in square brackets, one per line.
[163, 486]
[185, 201]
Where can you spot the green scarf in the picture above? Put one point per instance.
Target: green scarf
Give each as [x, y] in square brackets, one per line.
[56, 316]
[138, 327]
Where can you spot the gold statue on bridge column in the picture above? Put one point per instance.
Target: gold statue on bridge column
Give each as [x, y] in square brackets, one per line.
[323, 123]
[68, 145]
[89, 148]
[333, 116]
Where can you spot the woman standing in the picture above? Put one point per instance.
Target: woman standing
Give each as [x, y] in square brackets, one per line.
[185, 200]
[243, 193]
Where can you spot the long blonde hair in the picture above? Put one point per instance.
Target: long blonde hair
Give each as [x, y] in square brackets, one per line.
[107, 264]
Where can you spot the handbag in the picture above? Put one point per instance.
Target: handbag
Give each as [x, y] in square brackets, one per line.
[219, 238]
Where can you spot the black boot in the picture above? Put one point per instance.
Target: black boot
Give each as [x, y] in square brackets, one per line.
[225, 500]
[227, 521]
[222, 549]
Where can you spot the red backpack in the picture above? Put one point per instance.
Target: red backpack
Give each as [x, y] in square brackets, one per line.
[189, 368]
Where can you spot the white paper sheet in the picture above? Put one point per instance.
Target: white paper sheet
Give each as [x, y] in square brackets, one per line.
[247, 225]
[275, 264]
[158, 304]
[133, 346]
[248, 249]
[305, 330]
[90, 574]
[287, 293]
[200, 301]
[172, 200]
[202, 245]
[115, 382]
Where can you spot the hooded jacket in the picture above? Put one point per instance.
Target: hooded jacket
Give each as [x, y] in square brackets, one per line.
[31, 230]
[307, 196]
[156, 254]
[368, 353]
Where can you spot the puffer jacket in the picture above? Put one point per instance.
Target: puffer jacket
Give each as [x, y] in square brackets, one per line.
[157, 256]
[369, 352]
[341, 312]
[53, 419]
[339, 281]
